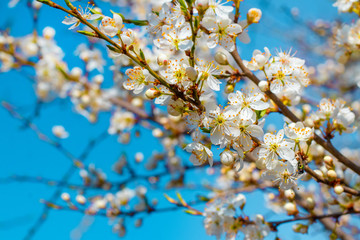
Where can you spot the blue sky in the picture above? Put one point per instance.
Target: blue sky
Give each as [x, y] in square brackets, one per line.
[22, 153]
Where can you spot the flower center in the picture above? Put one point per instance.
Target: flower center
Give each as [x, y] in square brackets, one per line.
[176, 42]
[220, 120]
[221, 31]
[205, 75]
[286, 176]
[179, 75]
[274, 147]
[280, 75]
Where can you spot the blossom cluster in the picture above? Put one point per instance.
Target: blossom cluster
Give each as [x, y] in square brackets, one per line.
[348, 36]
[222, 217]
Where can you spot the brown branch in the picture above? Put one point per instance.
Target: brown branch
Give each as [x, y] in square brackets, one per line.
[321, 179]
[326, 222]
[76, 162]
[313, 217]
[286, 112]
[122, 49]
[19, 59]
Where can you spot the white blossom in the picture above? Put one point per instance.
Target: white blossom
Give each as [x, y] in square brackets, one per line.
[218, 8]
[111, 26]
[85, 13]
[245, 102]
[137, 80]
[60, 132]
[298, 132]
[200, 154]
[120, 121]
[258, 60]
[344, 5]
[222, 32]
[284, 174]
[276, 146]
[223, 126]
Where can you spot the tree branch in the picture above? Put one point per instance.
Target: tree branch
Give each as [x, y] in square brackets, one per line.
[286, 112]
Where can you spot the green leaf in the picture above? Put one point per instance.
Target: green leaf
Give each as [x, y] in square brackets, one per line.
[89, 34]
[122, 16]
[68, 3]
[142, 55]
[181, 199]
[205, 130]
[260, 114]
[113, 49]
[43, 1]
[196, 22]
[63, 72]
[171, 200]
[182, 4]
[135, 22]
[192, 212]
[183, 7]
[203, 198]
[93, 11]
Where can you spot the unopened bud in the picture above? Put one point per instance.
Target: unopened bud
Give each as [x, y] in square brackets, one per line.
[300, 228]
[65, 196]
[328, 161]
[80, 199]
[319, 150]
[101, 203]
[254, 15]
[36, 4]
[310, 203]
[138, 222]
[92, 117]
[152, 93]
[76, 72]
[331, 174]
[162, 60]
[191, 73]
[309, 122]
[290, 208]
[98, 79]
[227, 157]
[318, 172]
[157, 132]
[221, 58]
[85, 99]
[31, 49]
[338, 189]
[289, 194]
[139, 157]
[306, 108]
[48, 33]
[229, 88]
[84, 55]
[263, 85]
[137, 102]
